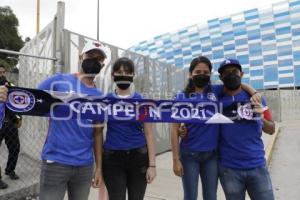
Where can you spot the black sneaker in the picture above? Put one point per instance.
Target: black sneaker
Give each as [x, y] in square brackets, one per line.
[3, 185]
[12, 175]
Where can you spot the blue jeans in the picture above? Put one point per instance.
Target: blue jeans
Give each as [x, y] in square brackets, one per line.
[57, 178]
[199, 163]
[256, 182]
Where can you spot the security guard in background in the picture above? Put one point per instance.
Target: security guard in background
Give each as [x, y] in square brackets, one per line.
[9, 132]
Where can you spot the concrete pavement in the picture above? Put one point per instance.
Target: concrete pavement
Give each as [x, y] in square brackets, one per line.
[284, 167]
[167, 186]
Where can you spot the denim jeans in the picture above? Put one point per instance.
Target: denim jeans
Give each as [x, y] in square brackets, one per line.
[199, 163]
[256, 182]
[56, 178]
[125, 169]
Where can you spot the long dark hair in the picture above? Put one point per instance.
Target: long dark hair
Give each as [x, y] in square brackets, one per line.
[190, 87]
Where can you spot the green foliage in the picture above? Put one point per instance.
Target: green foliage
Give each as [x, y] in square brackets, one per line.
[9, 36]
[5, 64]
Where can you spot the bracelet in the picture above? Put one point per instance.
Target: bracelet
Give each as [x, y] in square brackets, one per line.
[152, 166]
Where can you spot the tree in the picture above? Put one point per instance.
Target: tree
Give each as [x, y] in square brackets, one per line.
[9, 36]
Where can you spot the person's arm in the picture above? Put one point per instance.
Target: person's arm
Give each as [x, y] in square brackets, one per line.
[98, 146]
[268, 123]
[255, 96]
[268, 126]
[264, 111]
[3, 93]
[151, 171]
[182, 131]
[250, 90]
[177, 166]
[19, 121]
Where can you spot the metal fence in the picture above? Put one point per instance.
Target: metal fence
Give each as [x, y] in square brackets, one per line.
[31, 134]
[152, 80]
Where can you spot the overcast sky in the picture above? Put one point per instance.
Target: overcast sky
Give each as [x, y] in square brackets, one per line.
[126, 22]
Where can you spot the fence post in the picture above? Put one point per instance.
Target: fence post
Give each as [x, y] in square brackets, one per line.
[58, 38]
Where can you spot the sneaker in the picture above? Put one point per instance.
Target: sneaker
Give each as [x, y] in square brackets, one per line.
[3, 185]
[12, 175]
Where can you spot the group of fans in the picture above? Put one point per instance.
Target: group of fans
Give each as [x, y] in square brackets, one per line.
[76, 157]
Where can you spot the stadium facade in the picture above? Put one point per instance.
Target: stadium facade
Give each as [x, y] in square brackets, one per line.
[266, 42]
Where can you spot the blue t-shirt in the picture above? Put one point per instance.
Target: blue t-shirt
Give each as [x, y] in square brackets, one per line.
[201, 137]
[124, 135]
[241, 146]
[68, 142]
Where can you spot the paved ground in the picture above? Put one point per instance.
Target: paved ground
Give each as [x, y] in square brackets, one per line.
[167, 186]
[284, 171]
[285, 164]
[27, 169]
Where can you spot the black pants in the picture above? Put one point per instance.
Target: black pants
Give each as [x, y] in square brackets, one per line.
[125, 170]
[10, 134]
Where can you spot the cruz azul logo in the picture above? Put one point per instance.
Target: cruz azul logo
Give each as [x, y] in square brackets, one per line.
[245, 111]
[20, 100]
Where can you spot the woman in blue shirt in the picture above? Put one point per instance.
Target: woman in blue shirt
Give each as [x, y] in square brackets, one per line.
[198, 148]
[128, 151]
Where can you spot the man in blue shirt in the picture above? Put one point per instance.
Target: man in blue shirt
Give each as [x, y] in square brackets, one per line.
[68, 150]
[242, 165]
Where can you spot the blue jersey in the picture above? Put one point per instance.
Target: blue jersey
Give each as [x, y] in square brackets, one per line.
[241, 146]
[124, 135]
[200, 136]
[69, 142]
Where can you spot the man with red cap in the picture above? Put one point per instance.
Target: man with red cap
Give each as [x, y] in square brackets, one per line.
[67, 156]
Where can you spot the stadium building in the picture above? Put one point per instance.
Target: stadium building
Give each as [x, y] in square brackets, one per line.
[266, 42]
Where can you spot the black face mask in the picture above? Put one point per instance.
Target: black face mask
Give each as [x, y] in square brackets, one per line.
[91, 66]
[232, 81]
[123, 82]
[200, 80]
[2, 80]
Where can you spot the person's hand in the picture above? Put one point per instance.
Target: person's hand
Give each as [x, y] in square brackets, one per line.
[98, 178]
[182, 131]
[256, 99]
[150, 174]
[19, 123]
[3, 93]
[258, 108]
[177, 168]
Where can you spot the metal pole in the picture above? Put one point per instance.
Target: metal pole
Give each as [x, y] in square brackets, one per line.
[24, 54]
[37, 16]
[98, 20]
